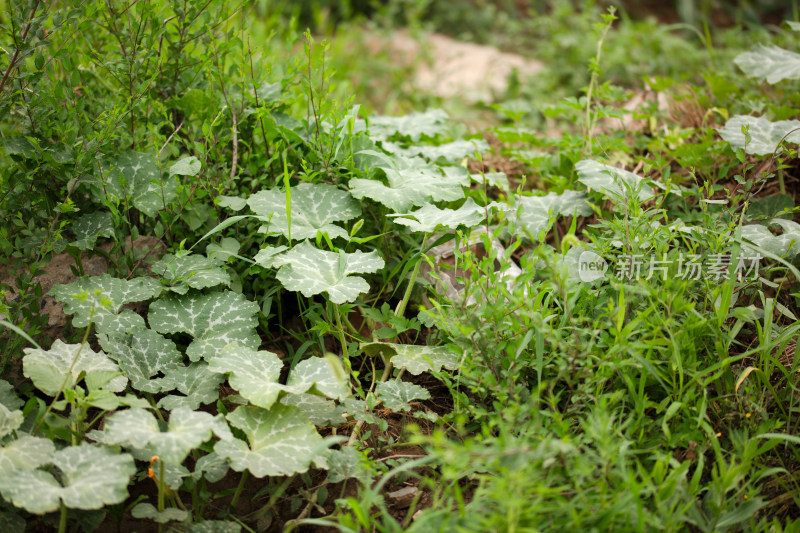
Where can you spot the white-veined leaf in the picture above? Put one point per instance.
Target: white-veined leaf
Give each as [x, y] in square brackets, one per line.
[320, 411]
[415, 125]
[537, 213]
[135, 176]
[8, 397]
[267, 255]
[91, 477]
[142, 355]
[429, 217]
[254, 374]
[769, 62]
[25, 453]
[611, 181]
[311, 271]
[412, 182]
[190, 271]
[99, 299]
[234, 203]
[197, 382]
[415, 359]
[49, 368]
[214, 320]
[326, 374]
[315, 207]
[448, 152]
[785, 245]
[281, 441]
[211, 466]
[764, 135]
[139, 429]
[347, 463]
[148, 510]
[215, 526]
[227, 248]
[10, 420]
[91, 226]
[397, 395]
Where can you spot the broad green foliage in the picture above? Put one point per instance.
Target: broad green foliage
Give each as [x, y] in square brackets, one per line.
[90, 477]
[135, 177]
[309, 270]
[451, 152]
[280, 441]
[787, 244]
[187, 429]
[67, 364]
[314, 208]
[614, 183]
[415, 359]
[347, 463]
[764, 135]
[147, 510]
[225, 250]
[99, 300]
[25, 453]
[214, 320]
[413, 126]
[429, 217]
[536, 214]
[197, 382]
[254, 374]
[188, 166]
[91, 226]
[10, 420]
[190, 271]
[412, 182]
[7, 396]
[142, 355]
[770, 63]
[320, 411]
[397, 395]
[215, 526]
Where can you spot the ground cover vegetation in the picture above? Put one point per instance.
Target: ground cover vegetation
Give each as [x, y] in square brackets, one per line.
[302, 296]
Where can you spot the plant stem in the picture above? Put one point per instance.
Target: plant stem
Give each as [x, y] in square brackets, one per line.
[62, 523]
[401, 307]
[342, 338]
[239, 489]
[160, 492]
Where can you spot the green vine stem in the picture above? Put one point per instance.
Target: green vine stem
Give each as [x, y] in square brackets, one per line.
[238, 493]
[62, 522]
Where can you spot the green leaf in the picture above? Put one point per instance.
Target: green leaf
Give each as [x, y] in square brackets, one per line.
[227, 248]
[190, 271]
[493, 179]
[91, 477]
[267, 255]
[414, 125]
[771, 206]
[254, 374]
[430, 217]
[397, 395]
[99, 299]
[613, 182]
[142, 356]
[281, 440]
[448, 152]
[147, 510]
[91, 226]
[10, 420]
[320, 411]
[412, 182]
[25, 453]
[537, 213]
[234, 203]
[139, 429]
[769, 62]
[136, 176]
[312, 271]
[48, 369]
[415, 359]
[215, 526]
[188, 166]
[765, 135]
[785, 245]
[326, 374]
[214, 320]
[315, 207]
[197, 381]
[347, 463]
[8, 397]
[211, 466]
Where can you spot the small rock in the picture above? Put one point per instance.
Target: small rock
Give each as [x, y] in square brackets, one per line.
[402, 498]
